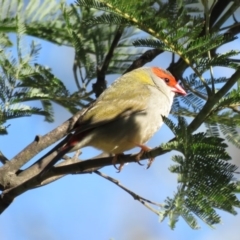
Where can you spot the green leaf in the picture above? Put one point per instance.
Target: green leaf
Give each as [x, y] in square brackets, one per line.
[204, 175]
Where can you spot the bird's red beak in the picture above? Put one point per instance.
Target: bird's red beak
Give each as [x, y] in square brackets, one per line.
[178, 89]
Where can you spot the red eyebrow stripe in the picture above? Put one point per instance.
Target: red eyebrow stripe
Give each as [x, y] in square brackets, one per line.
[162, 74]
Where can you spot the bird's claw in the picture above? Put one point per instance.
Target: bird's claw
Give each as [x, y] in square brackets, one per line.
[119, 168]
[150, 161]
[139, 155]
[114, 161]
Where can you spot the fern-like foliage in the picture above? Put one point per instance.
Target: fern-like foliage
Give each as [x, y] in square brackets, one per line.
[226, 118]
[25, 81]
[205, 181]
[176, 34]
[205, 178]
[40, 19]
[21, 82]
[92, 44]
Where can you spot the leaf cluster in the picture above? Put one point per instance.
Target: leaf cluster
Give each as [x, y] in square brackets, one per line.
[103, 35]
[205, 178]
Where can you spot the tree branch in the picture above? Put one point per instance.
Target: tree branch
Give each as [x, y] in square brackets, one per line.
[76, 65]
[219, 8]
[45, 162]
[41, 143]
[179, 67]
[97, 163]
[146, 57]
[206, 110]
[197, 93]
[100, 84]
[135, 196]
[67, 161]
[89, 166]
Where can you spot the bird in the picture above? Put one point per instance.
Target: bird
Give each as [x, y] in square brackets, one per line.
[127, 113]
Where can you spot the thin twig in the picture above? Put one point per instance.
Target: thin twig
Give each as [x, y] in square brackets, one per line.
[135, 196]
[207, 12]
[75, 66]
[100, 84]
[146, 57]
[206, 110]
[197, 93]
[230, 26]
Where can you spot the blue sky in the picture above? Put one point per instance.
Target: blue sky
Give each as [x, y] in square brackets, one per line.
[87, 206]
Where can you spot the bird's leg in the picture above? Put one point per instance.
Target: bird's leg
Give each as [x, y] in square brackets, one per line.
[144, 149]
[115, 160]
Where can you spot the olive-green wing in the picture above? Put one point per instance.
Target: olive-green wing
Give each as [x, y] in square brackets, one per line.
[115, 102]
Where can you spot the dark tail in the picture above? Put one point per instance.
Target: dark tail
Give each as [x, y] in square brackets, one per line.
[51, 158]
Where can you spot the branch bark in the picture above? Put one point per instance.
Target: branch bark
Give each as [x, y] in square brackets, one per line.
[87, 166]
[146, 57]
[206, 110]
[100, 84]
[8, 172]
[14, 181]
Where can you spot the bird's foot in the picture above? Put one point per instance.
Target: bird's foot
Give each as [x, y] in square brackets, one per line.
[150, 161]
[144, 149]
[115, 160]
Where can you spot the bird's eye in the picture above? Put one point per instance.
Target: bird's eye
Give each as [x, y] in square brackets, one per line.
[166, 80]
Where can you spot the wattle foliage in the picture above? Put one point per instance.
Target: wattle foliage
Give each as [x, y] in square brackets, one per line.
[109, 37]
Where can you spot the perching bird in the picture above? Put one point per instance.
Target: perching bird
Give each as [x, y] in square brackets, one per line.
[128, 113]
